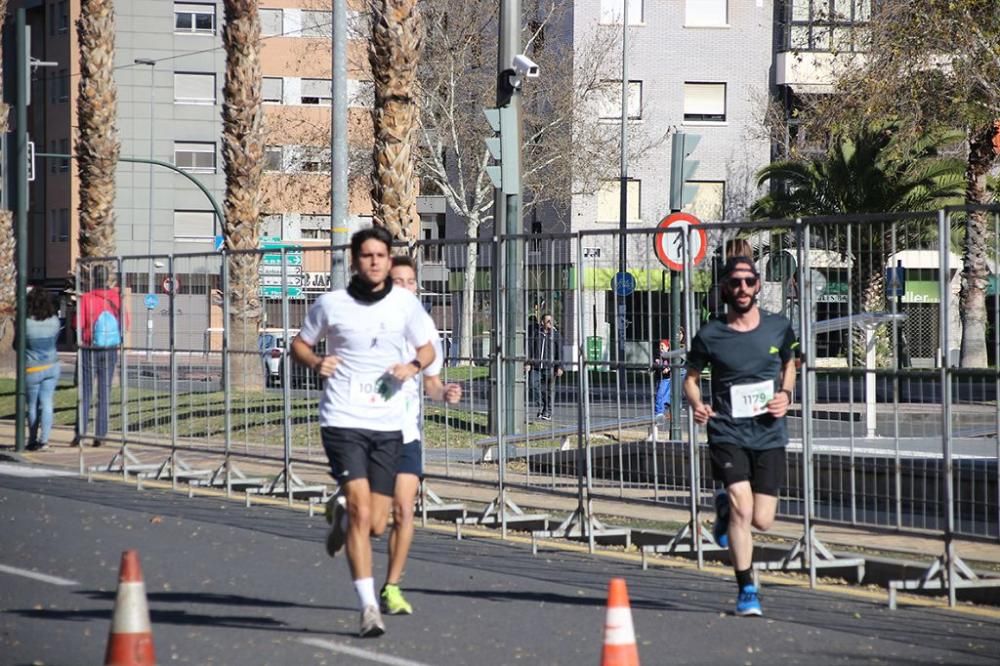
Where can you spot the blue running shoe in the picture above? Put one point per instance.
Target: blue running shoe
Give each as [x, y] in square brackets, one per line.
[720, 531]
[748, 602]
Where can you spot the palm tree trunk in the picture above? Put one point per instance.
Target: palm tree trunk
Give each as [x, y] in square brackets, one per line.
[242, 158]
[972, 297]
[98, 146]
[394, 53]
[8, 271]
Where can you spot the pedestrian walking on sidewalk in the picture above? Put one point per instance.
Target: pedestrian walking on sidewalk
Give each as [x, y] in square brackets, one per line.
[752, 356]
[410, 472]
[41, 365]
[368, 328]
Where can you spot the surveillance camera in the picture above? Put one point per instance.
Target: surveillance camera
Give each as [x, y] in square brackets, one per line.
[525, 66]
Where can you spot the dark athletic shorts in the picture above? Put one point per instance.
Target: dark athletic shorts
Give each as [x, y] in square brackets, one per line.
[764, 469]
[410, 460]
[355, 453]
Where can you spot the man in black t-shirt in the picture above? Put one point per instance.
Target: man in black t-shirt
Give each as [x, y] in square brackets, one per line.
[752, 356]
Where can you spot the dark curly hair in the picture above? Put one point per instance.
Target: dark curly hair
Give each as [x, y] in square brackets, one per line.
[41, 305]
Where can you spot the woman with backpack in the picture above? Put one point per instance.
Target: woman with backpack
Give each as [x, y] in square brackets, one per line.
[42, 365]
[99, 327]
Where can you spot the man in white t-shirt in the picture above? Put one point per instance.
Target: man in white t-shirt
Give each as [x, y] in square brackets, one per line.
[369, 329]
[411, 469]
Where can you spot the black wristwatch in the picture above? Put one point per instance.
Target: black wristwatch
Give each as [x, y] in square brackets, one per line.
[416, 364]
[786, 392]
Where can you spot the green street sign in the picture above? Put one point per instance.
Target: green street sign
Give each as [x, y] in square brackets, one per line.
[273, 291]
[290, 259]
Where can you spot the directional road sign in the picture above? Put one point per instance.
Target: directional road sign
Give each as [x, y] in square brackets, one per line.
[275, 269]
[272, 291]
[670, 246]
[152, 300]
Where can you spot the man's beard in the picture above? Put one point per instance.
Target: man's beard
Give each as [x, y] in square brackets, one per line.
[736, 307]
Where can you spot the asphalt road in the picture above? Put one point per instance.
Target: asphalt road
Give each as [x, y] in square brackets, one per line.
[230, 585]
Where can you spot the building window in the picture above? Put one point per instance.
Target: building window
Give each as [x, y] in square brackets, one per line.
[611, 100]
[192, 18]
[612, 10]
[194, 226]
[194, 88]
[62, 16]
[699, 13]
[709, 202]
[272, 89]
[705, 102]
[316, 23]
[59, 225]
[64, 149]
[609, 201]
[195, 156]
[317, 91]
[315, 227]
[315, 159]
[270, 22]
[824, 25]
[60, 86]
[272, 158]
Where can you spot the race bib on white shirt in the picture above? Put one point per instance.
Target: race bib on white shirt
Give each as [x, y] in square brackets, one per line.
[373, 390]
[749, 400]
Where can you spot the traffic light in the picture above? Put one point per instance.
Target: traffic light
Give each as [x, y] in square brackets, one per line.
[682, 169]
[504, 149]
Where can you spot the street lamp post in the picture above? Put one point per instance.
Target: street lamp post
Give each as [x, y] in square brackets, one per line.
[149, 239]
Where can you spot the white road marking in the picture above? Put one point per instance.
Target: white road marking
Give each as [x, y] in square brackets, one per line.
[10, 469]
[360, 654]
[45, 578]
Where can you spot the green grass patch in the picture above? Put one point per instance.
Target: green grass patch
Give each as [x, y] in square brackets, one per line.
[255, 416]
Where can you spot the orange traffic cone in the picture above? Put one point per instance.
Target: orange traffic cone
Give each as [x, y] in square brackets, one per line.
[619, 635]
[131, 639]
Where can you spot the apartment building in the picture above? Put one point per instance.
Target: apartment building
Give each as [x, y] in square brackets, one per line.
[169, 69]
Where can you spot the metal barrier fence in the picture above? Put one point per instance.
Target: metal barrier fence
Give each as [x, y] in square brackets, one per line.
[876, 443]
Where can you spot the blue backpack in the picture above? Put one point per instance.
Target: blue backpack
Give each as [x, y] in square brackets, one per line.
[106, 331]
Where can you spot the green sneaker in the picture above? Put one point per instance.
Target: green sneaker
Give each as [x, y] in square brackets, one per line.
[393, 601]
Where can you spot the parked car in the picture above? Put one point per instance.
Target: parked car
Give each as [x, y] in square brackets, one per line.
[273, 347]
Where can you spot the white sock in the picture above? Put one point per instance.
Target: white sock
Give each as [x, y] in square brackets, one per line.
[365, 587]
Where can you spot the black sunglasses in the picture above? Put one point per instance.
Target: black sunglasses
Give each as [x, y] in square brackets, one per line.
[734, 282]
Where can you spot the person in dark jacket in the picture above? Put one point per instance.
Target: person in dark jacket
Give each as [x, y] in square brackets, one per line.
[544, 364]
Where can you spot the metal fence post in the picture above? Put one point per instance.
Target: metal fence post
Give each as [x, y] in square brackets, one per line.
[807, 341]
[949, 489]
[123, 366]
[286, 391]
[172, 319]
[227, 419]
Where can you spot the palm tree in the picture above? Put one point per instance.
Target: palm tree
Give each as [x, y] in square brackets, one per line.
[97, 147]
[8, 272]
[873, 170]
[394, 53]
[242, 159]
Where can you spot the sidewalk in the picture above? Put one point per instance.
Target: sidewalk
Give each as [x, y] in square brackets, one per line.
[898, 546]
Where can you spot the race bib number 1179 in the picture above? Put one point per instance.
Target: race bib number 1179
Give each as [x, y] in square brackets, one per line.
[749, 400]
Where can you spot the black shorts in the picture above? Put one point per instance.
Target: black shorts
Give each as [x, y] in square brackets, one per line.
[411, 460]
[763, 468]
[355, 453]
